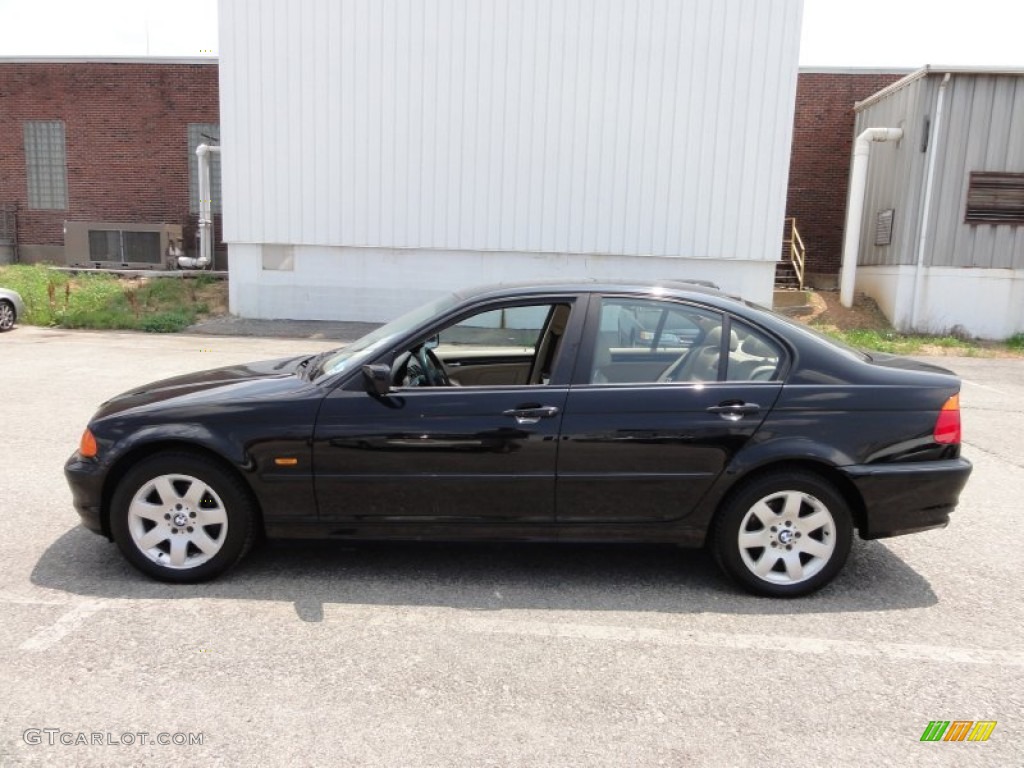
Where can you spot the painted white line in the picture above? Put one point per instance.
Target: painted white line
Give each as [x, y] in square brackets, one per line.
[509, 625]
[984, 386]
[769, 643]
[48, 636]
[23, 600]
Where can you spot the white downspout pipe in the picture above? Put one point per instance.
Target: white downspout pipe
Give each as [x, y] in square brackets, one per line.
[926, 205]
[855, 206]
[205, 206]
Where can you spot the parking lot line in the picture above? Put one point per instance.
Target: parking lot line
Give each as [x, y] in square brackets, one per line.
[49, 636]
[983, 386]
[774, 643]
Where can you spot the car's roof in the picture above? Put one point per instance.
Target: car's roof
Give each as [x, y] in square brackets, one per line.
[595, 284]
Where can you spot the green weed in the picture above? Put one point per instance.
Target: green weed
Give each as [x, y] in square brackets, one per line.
[102, 301]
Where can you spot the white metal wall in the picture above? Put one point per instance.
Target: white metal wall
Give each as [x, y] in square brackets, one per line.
[631, 127]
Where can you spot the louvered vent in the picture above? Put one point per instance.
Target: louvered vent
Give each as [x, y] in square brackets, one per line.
[995, 198]
[883, 227]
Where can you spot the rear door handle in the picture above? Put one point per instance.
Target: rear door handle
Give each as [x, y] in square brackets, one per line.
[734, 411]
[531, 414]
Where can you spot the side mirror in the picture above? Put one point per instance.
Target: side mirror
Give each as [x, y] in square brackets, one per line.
[378, 379]
[432, 342]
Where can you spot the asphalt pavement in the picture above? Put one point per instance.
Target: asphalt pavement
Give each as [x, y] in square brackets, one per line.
[401, 655]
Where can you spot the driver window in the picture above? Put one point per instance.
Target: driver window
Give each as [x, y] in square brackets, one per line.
[511, 329]
[515, 345]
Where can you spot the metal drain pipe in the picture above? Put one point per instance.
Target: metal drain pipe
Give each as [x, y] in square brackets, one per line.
[205, 257]
[855, 206]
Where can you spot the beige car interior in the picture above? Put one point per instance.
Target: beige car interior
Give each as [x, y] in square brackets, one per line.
[751, 357]
[626, 350]
[492, 364]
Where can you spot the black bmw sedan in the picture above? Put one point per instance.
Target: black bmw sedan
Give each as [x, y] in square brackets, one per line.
[585, 411]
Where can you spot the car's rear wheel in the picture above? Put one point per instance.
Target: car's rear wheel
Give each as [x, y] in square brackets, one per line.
[7, 317]
[181, 518]
[783, 534]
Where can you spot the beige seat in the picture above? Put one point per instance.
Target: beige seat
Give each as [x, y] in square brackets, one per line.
[547, 351]
[701, 362]
[753, 361]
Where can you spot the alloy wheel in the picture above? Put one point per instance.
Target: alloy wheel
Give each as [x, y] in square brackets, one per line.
[787, 537]
[177, 521]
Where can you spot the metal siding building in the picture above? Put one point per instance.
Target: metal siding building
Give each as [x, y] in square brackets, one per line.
[378, 153]
[971, 274]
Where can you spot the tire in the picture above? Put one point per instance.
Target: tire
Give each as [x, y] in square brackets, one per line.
[783, 534]
[7, 315]
[182, 518]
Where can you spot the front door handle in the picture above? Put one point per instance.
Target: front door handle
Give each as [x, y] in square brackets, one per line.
[734, 411]
[531, 414]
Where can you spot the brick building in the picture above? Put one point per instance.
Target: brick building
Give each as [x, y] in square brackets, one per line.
[128, 127]
[819, 166]
[107, 140]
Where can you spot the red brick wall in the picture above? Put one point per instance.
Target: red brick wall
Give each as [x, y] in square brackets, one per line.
[126, 134]
[819, 166]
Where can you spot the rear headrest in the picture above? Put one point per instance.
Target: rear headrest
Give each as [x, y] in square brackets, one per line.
[715, 337]
[757, 348]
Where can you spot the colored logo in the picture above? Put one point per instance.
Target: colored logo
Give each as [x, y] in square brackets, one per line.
[958, 730]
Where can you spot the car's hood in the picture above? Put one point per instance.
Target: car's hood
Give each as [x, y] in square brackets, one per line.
[246, 382]
[6, 293]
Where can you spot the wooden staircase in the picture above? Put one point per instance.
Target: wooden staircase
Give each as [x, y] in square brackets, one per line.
[789, 271]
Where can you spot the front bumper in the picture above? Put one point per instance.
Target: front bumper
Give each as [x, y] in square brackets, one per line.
[905, 498]
[86, 480]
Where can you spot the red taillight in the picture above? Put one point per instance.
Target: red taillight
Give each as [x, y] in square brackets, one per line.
[947, 427]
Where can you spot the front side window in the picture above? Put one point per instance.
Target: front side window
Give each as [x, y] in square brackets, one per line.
[501, 346]
[509, 328]
[46, 164]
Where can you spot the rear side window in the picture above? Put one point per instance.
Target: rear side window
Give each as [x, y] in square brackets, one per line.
[646, 341]
[754, 356]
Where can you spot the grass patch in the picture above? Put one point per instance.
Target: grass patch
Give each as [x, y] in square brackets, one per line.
[896, 343]
[101, 301]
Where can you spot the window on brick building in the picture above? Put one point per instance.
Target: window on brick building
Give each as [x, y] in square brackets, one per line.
[995, 198]
[46, 164]
[203, 133]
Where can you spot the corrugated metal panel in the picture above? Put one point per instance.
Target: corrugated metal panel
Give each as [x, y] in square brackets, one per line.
[986, 133]
[895, 172]
[575, 126]
[982, 130]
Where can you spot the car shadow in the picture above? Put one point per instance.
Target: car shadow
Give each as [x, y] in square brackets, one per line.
[483, 577]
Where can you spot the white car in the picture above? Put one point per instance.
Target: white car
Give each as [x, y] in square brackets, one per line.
[11, 308]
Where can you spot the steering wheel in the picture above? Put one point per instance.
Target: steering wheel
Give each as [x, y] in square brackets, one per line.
[434, 370]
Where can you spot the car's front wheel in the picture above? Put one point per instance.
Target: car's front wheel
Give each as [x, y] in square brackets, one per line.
[783, 534]
[181, 518]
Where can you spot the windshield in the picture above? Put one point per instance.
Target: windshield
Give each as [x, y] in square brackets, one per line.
[364, 349]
